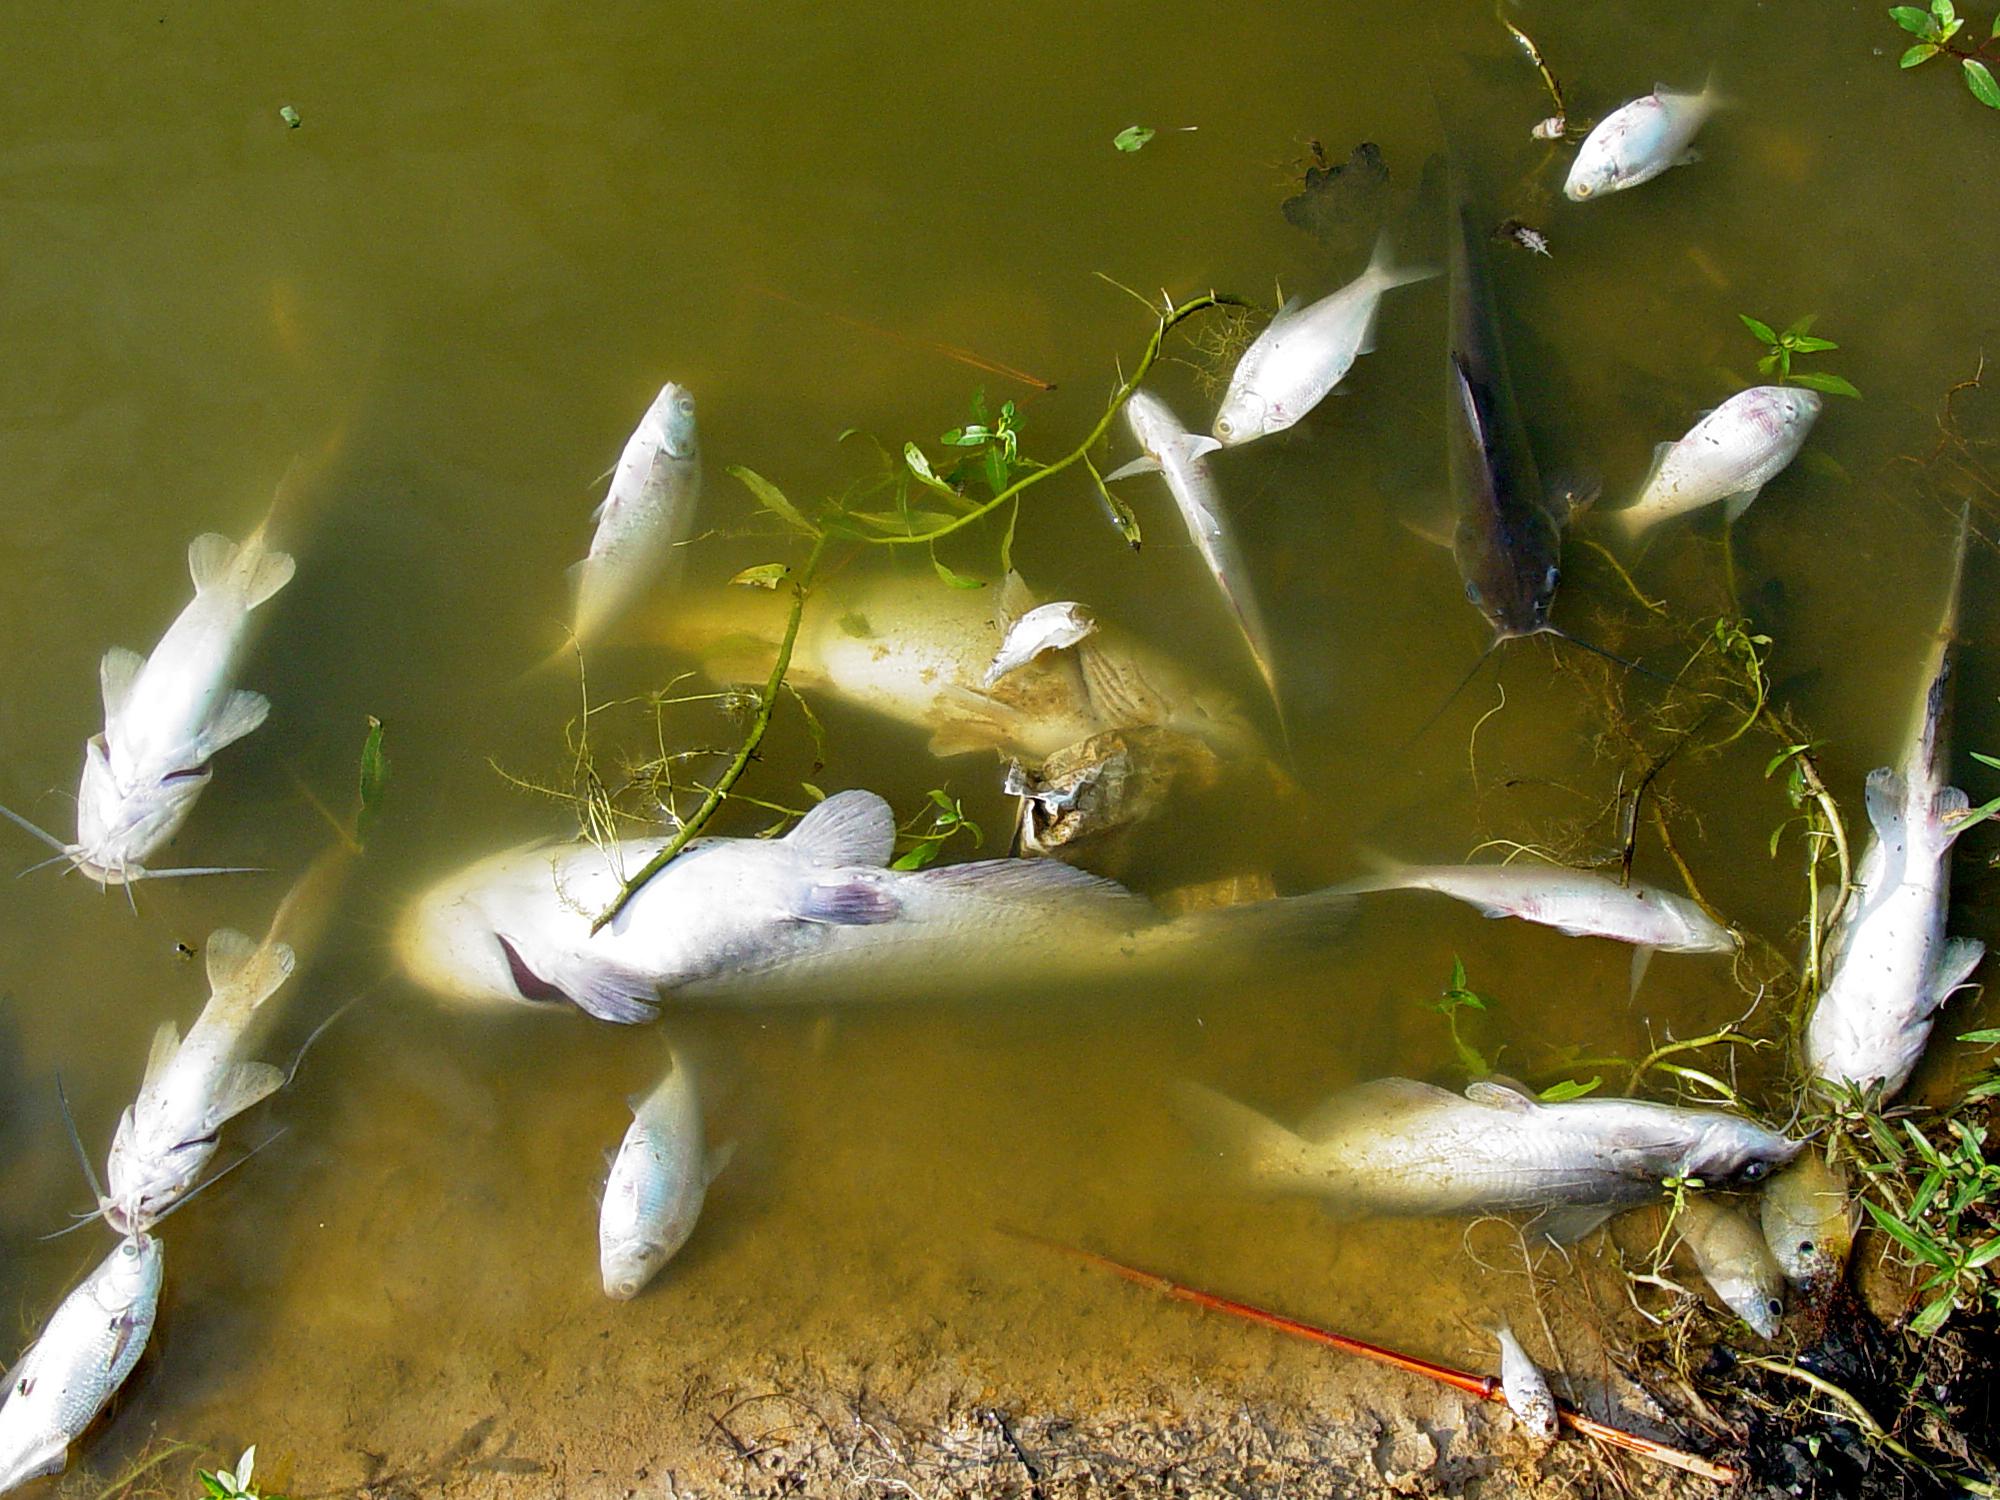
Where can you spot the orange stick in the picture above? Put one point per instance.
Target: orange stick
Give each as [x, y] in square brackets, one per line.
[1483, 1387]
[949, 351]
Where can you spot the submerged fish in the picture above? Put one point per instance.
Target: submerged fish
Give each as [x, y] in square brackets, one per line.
[1396, 1146]
[1638, 141]
[1808, 1220]
[813, 915]
[1730, 1252]
[194, 1085]
[911, 650]
[1307, 351]
[1525, 1387]
[69, 1374]
[647, 511]
[658, 1179]
[1046, 627]
[1728, 456]
[1176, 454]
[1890, 964]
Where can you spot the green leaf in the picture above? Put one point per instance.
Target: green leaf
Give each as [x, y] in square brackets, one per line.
[1995, 32]
[771, 498]
[1767, 364]
[918, 857]
[1989, 1037]
[1457, 972]
[1933, 1317]
[1804, 345]
[1132, 137]
[1833, 385]
[956, 580]
[943, 800]
[1569, 1088]
[374, 776]
[763, 576]
[1984, 1255]
[1903, 1235]
[290, 116]
[1911, 18]
[1922, 52]
[1801, 327]
[1757, 329]
[1944, 11]
[1979, 78]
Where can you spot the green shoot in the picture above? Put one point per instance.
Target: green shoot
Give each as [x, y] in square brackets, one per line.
[1782, 348]
[947, 821]
[1936, 31]
[1459, 996]
[233, 1484]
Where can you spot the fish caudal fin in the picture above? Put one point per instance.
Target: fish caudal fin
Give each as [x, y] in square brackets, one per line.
[1386, 274]
[849, 828]
[1250, 1146]
[215, 562]
[240, 966]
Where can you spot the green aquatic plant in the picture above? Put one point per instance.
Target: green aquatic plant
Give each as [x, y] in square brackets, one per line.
[234, 1484]
[947, 821]
[1456, 997]
[372, 781]
[1782, 348]
[1133, 137]
[1937, 32]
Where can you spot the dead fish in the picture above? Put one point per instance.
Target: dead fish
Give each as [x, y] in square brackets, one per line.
[658, 1181]
[1178, 457]
[1306, 351]
[1396, 1146]
[1808, 1220]
[1728, 456]
[646, 513]
[1638, 141]
[1730, 1252]
[70, 1373]
[1084, 801]
[1525, 1387]
[1046, 627]
[1891, 966]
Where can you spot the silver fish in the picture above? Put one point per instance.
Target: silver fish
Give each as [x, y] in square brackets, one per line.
[1730, 1252]
[811, 916]
[648, 510]
[1396, 1146]
[1891, 965]
[1307, 351]
[1728, 456]
[84, 1354]
[1808, 1220]
[1638, 141]
[1178, 457]
[658, 1180]
[1525, 1387]
[1046, 627]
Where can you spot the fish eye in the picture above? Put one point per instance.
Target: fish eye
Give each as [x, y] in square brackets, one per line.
[1775, 1308]
[1757, 1171]
[1224, 427]
[1806, 1247]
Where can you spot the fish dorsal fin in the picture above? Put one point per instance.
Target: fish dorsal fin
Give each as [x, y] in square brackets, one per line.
[1013, 599]
[1494, 1094]
[166, 1043]
[1734, 505]
[210, 557]
[1288, 312]
[849, 828]
[240, 1087]
[229, 955]
[1145, 463]
[1886, 793]
[115, 675]
[719, 1158]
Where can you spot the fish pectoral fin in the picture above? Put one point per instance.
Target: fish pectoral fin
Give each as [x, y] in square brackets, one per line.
[1251, 1146]
[1642, 957]
[719, 1158]
[1495, 1095]
[1145, 463]
[166, 1042]
[856, 901]
[1688, 157]
[1435, 527]
[849, 828]
[1734, 505]
[610, 993]
[1953, 970]
[241, 712]
[1570, 1222]
[1886, 794]
[1949, 810]
[115, 675]
[1199, 445]
[241, 1087]
[51, 1458]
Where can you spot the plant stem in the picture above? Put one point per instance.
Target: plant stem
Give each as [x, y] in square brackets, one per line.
[1861, 1414]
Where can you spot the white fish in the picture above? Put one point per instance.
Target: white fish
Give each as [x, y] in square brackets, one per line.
[1525, 1387]
[1179, 457]
[1808, 1220]
[658, 1180]
[194, 1085]
[1728, 456]
[1730, 1252]
[1638, 141]
[84, 1354]
[648, 510]
[1891, 965]
[1046, 627]
[1396, 1146]
[813, 915]
[1307, 351]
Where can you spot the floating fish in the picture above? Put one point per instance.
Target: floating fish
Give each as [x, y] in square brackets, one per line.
[69, 1374]
[1525, 1387]
[1890, 966]
[1046, 627]
[1808, 1220]
[811, 916]
[1638, 141]
[1728, 456]
[194, 1085]
[658, 1180]
[1177, 455]
[1730, 1252]
[1306, 352]
[1396, 1146]
[647, 512]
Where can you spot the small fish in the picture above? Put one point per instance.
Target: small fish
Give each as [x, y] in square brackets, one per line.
[1891, 965]
[1808, 1220]
[1728, 456]
[1046, 627]
[1551, 129]
[1638, 141]
[648, 510]
[1307, 351]
[1525, 1387]
[1730, 1252]
[194, 1085]
[1179, 457]
[56, 1389]
[1396, 1146]
[658, 1180]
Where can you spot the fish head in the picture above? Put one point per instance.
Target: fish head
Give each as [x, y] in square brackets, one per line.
[1244, 415]
[142, 1187]
[671, 418]
[1729, 1151]
[130, 1273]
[118, 829]
[1779, 410]
[628, 1264]
[1514, 590]
[449, 943]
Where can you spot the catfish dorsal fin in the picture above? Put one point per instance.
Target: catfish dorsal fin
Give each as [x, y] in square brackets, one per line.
[849, 828]
[115, 675]
[1496, 1095]
[1885, 794]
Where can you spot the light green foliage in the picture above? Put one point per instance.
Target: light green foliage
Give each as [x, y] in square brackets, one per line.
[1456, 997]
[290, 116]
[947, 821]
[1569, 1088]
[1132, 137]
[234, 1484]
[1937, 32]
[991, 448]
[374, 779]
[1795, 340]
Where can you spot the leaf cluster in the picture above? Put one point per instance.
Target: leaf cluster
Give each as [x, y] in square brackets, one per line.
[1935, 29]
[947, 821]
[233, 1484]
[1795, 340]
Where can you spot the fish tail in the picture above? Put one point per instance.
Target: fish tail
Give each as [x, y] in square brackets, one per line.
[1386, 274]
[1250, 1146]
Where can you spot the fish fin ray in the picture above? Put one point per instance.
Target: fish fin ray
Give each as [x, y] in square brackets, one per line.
[1734, 505]
[1200, 445]
[849, 828]
[1948, 809]
[270, 572]
[241, 712]
[166, 1043]
[1886, 794]
[1145, 463]
[1567, 1223]
[210, 558]
[1953, 970]
[229, 954]
[1252, 1147]
[718, 1159]
[858, 901]
[115, 675]
[1642, 958]
[1496, 1095]
[241, 1087]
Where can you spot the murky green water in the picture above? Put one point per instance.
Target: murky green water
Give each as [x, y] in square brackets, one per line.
[495, 232]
